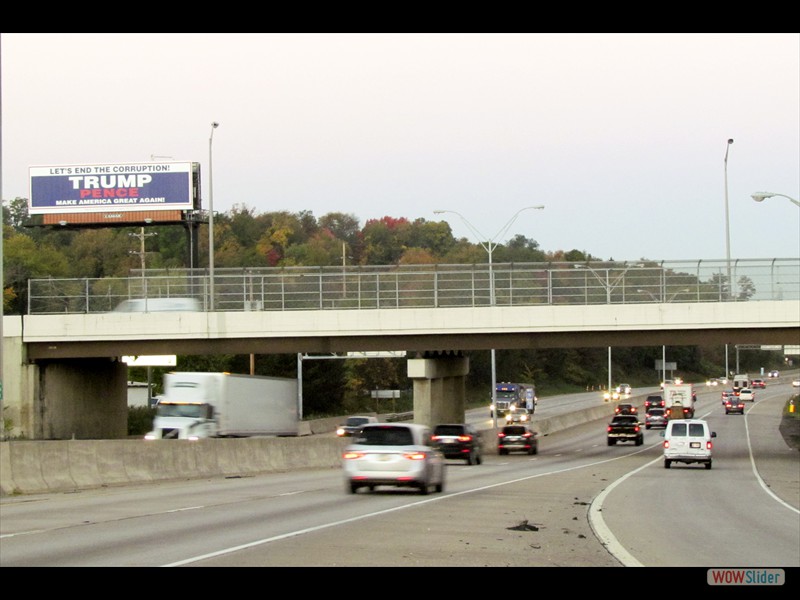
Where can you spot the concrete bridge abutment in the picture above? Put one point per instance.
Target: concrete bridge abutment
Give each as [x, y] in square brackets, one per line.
[439, 388]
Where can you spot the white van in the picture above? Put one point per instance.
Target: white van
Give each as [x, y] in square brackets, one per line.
[687, 441]
[159, 305]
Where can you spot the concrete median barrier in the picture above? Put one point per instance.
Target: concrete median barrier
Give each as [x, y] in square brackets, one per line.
[31, 467]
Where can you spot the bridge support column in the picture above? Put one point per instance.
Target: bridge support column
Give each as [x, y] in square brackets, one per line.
[439, 389]
[82, 399]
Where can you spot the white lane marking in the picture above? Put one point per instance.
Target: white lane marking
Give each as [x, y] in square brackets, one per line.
[381, 512]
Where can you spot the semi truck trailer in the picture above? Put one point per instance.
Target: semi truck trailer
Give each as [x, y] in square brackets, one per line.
[206, 405]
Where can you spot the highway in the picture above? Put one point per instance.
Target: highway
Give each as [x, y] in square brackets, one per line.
[578, 503]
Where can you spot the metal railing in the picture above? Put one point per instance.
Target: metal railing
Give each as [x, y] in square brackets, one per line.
[431, 286]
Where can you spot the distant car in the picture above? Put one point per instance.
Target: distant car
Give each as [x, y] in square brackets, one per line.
[712, 382]
[625, 408]
[353, 425]
[458, 441]
[758, 384]
[774, 374]
[624, 389]
[609, 396]
[727, 395]
[734, 406]
[393, 454]
[520, 415]
[796, 382]
[747, 394]
[653, 402]
[517, 438]
[655, 417]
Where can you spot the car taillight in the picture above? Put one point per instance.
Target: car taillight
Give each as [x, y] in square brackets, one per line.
[501, 435]
[352, 455]
[708, 445]
[636, 428]
[608, 428]
[414, 455]
[666, 443]
[464, 438]
[527, 435]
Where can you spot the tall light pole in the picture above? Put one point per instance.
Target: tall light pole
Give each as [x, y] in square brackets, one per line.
[489, 244]
[728, 222]
[727, 240]
[760, 196]
[214, 125]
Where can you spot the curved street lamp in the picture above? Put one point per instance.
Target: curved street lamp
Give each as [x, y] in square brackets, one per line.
[760, 196]
[214, 125]
[489, 244]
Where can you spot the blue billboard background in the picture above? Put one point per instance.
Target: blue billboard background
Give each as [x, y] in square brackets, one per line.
[118, 187]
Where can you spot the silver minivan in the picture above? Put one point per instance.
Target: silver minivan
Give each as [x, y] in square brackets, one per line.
[688, 441]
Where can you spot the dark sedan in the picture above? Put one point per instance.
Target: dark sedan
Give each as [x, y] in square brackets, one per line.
[734, 406]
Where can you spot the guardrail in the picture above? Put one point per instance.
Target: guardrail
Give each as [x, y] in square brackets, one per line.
[431, 286]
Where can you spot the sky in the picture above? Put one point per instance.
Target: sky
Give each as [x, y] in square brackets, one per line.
[621, 137]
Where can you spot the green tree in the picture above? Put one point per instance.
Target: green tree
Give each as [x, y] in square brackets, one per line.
[24, 259]
[322, 249]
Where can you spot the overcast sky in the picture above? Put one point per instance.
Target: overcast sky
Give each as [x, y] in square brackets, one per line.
[621, 136]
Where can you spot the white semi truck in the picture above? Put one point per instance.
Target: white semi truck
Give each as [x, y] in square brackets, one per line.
[679, 400]
[206, 405]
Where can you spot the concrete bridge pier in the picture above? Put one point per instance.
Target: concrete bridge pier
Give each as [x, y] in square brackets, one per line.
[82, 399]
[439, 388]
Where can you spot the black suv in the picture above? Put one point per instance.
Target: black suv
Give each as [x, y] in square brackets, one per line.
[458, 440]
[654, 402]
[517, 438]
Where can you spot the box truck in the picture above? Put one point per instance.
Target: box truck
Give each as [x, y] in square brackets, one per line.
[740, 381]
[679, 400]
[205, 405]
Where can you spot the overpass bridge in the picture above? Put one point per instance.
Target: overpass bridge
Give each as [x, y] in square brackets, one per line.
[69, 343]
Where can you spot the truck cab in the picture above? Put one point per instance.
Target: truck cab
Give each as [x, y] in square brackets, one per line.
[182, 420]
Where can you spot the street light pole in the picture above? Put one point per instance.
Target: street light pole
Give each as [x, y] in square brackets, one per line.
[728, 222]
[214, 125]
[489, 244]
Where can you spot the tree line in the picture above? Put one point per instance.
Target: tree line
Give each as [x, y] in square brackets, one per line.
[244, 237]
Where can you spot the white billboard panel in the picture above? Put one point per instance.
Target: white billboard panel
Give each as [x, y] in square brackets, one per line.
[167, 360]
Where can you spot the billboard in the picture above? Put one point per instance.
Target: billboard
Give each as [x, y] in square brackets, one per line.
[111, 187]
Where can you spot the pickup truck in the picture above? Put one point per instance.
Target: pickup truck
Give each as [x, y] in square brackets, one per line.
[625, 428]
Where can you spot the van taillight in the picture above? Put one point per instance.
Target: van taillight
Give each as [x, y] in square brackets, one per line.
[666, 443]
[708, 445]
